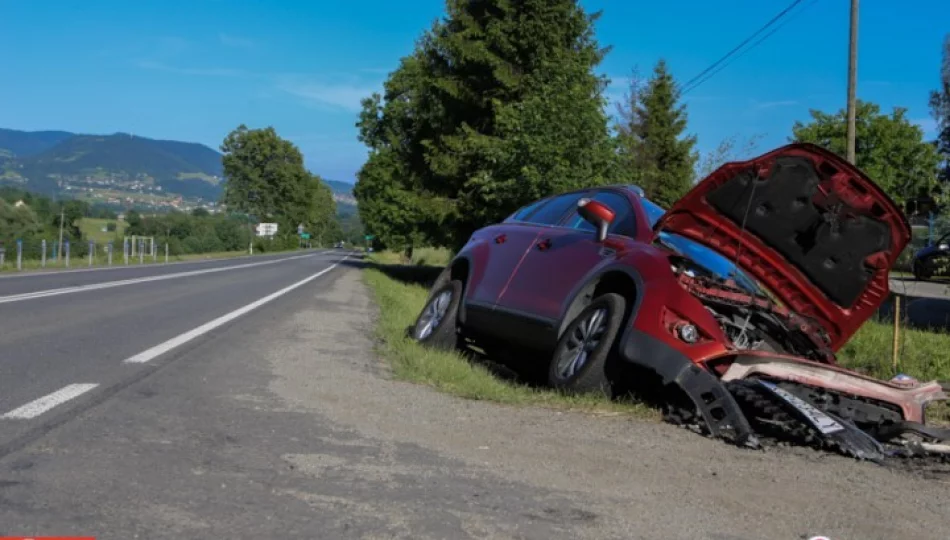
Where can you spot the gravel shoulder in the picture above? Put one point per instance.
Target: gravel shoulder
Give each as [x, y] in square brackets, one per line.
[287, 424]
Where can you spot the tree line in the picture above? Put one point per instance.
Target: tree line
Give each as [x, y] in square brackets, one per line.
[499, 104]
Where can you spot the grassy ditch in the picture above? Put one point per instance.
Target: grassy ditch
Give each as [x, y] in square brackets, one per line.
[400, 291]
[400, 287]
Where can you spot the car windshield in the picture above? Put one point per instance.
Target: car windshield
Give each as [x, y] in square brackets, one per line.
[706, 257]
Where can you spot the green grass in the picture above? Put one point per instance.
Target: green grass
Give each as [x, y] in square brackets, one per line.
[923, 354]
[92, 229]
[399, 303]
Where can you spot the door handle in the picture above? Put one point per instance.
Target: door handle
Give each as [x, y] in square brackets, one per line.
[500, 239]
[543, 245]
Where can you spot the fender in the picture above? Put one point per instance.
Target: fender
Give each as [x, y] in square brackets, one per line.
[571, 306]
[444, 278]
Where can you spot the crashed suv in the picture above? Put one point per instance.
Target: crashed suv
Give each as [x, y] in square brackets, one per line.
[738, 297]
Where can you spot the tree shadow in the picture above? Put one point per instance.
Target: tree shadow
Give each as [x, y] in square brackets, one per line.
[410, 274]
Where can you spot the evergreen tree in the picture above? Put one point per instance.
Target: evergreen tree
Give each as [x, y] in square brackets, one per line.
[653, 150]
[497, 106]
[940, 109]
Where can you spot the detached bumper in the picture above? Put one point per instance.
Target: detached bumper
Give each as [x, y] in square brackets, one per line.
[910, 398]
[719, 410]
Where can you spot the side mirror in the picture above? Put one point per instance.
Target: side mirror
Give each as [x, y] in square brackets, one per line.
[597, 214]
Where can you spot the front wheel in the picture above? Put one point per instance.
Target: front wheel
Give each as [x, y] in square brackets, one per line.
[579, 362]
[436, 326]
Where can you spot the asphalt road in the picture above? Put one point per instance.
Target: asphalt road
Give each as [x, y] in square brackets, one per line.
[252, 409]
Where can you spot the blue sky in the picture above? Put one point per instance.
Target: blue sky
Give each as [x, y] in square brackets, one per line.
[193, 70]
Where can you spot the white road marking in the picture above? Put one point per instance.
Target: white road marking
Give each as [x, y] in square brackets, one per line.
[45, 403]
[110, 284]
[181, 339]
[119, 266]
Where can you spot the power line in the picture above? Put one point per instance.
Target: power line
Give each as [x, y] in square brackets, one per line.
[684, 90]
[695, 81]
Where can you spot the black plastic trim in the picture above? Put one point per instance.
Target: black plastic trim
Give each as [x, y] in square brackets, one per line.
[718, 408]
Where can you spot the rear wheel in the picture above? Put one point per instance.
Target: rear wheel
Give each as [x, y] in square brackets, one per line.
[579, 362]
[437, 325]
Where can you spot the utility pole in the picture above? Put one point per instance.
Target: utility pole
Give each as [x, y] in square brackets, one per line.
[852, 80]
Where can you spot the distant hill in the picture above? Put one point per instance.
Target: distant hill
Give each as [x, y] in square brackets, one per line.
[29, 143]
[120, 169]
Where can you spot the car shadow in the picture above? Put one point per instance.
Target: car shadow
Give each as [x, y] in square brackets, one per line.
[917, 312]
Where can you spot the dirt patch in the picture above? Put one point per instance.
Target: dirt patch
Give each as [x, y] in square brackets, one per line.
[629, 478]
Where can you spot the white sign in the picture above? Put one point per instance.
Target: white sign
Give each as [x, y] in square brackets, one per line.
[266, 229]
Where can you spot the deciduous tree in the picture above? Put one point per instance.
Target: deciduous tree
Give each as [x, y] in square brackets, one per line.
[889, 148]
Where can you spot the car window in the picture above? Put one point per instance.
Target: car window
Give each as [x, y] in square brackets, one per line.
[526, 210]
[554, 209]
[654, 212]
[624, 219]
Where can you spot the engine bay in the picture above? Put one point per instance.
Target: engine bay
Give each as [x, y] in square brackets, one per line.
[750, 319]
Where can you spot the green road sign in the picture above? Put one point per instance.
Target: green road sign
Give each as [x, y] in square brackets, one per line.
[305, 236]
[369, 236]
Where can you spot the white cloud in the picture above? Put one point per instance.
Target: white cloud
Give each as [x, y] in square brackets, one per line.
[237, 42]
[774, 104]
[929, 125]
[205, 72]
[345, 96]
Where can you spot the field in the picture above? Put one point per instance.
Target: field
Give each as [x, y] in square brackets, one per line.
[93, 229]
[400, 290]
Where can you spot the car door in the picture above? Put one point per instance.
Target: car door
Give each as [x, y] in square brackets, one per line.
[563, 254]
[495, 254]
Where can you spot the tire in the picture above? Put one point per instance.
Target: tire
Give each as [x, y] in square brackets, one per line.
[443, 333]
[591, 375]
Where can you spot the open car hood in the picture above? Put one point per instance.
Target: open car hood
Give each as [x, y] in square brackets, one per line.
[818, 233]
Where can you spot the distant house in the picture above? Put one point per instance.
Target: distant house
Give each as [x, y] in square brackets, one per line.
[19, 204]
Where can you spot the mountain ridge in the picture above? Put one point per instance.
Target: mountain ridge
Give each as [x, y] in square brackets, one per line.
[118, 167]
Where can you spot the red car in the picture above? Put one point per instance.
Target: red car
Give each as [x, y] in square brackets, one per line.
[740, 294]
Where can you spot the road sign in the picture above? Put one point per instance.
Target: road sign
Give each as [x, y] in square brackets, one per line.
[266, 229]
[305, 236]
[369, 236]
[300, 229]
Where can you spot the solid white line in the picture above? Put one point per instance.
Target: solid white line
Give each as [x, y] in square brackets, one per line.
[181, 339]
[45, 403]
[119, 266]
[110, 284]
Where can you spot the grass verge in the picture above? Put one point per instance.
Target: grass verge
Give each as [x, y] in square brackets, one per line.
[399, 303]
[924, 354]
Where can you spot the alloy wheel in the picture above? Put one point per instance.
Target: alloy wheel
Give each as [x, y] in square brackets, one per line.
[583, 340]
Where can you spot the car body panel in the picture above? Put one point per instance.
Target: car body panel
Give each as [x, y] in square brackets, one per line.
[497, 251]
[811, 227]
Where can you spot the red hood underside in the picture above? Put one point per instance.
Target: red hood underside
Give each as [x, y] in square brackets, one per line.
[812, 228]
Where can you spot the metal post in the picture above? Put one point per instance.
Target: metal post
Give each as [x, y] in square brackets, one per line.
[19, 254]
[154, 250]
[62, 214]
[92, 251]
[852, 80]
[67, 253]
[141, 251]
[897, 325]
[166, 252]
[109, 252]
[3, 255]
[125, 249]
[43, 255]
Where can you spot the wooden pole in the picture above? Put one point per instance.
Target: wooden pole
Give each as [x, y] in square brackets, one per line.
[897, 324]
